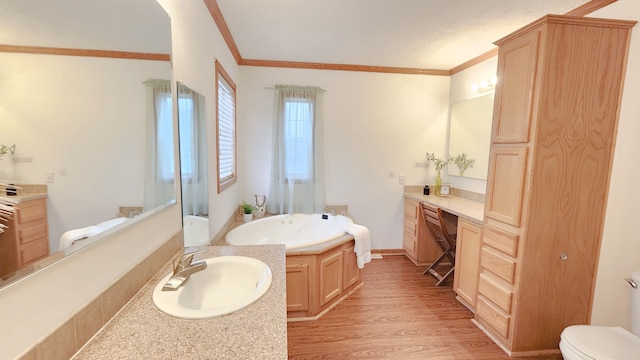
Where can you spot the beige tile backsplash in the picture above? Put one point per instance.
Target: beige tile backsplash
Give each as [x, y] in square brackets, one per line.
[65, 341]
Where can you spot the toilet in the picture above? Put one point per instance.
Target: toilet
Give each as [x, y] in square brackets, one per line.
[586, 342]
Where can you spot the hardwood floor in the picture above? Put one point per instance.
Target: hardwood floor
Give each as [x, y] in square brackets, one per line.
[397, 314]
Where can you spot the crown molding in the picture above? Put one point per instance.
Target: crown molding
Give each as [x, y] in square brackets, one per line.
[84, 52]
[216, 14]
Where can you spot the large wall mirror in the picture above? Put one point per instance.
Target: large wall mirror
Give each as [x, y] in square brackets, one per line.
[77, 98]
[470, 134]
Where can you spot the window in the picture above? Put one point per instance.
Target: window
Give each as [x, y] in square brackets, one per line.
[166, 168]
[297, 174]
[226, 128]
[187, 135]
[298, 130]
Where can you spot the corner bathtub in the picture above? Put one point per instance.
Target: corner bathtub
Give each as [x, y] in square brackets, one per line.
[294, 231]
[196, 230]
[322, 267]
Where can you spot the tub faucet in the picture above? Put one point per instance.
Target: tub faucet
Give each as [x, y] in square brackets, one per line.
[183, 268]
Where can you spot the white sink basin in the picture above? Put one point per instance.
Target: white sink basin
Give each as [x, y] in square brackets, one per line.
[228, 284]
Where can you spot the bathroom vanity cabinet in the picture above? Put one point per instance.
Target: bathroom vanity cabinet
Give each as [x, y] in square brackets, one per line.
[554, 128]
[465, 277]
[417, 242]
[26, 239]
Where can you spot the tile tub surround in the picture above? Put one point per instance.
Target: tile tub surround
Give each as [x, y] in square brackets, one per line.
[64, 341]
[141, 331]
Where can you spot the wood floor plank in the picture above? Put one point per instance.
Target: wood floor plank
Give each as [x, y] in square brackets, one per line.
[397, 314]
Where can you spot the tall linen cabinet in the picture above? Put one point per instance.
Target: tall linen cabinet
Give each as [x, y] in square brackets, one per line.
[554, 127]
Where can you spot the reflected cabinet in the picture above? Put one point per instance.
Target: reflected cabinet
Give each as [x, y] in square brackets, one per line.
[554, 126]
[26, 239]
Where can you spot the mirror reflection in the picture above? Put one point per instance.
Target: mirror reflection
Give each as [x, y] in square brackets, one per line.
[192, 129]
[470, 134]
[86, 125]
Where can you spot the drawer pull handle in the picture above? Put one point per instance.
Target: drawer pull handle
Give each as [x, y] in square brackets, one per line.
[564, 256]
[632, 283]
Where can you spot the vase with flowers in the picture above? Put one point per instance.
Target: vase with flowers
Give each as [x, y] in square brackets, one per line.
[439, 164]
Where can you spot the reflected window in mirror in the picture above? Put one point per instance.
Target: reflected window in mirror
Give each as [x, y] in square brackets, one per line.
[226, 124]
[470, 134]
[192, 129]
[160, 172]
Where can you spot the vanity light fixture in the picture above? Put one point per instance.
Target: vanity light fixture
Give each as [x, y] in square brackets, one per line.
[485, 85]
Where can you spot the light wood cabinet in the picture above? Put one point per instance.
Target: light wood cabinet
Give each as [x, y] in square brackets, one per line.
[330, 266]
[554, 126]
[317, 281]
[298, 283]
[26, 238]
[417, 242]
[465, 277]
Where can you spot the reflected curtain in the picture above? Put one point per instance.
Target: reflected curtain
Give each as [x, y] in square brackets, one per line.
[297, 173]
[193, 152]
[159, 160]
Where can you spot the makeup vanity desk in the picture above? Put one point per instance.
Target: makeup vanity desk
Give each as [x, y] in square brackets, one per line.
[462, 216]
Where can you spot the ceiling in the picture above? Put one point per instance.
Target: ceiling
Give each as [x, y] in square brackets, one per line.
[420, 34]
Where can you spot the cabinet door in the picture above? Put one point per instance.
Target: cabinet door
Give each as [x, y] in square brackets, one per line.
[351, 273]
[505, 183]
[469, 243]
[513, 107]
[297, 285]
[330, 276]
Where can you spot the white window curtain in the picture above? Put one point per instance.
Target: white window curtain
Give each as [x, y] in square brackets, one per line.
[159, 165]
[297, 174]
[193, 152]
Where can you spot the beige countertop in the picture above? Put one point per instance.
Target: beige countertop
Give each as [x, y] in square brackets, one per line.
[461, 207]
[141, 331]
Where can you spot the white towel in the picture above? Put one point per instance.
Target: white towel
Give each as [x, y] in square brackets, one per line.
[362, 246]
[72, 236]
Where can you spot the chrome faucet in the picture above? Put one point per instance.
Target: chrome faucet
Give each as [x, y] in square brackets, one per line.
[183, 268]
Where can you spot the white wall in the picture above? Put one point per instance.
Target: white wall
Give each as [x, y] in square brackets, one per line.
[197, 43]
[96, 149]
[377, 126]
[461, 90]
[620, 250]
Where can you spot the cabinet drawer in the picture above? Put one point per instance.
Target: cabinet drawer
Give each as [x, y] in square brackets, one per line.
[32, 253]
[496, 293]
[410, 246]
[411, 210]
[31, 211]
[501, 240]
[411, 229]
[32, 233]
[493, 316]
[499, 265]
